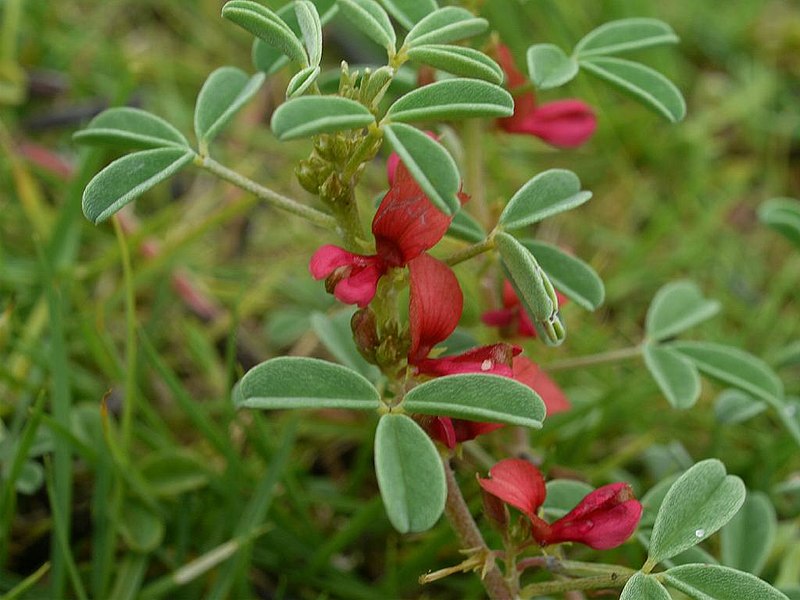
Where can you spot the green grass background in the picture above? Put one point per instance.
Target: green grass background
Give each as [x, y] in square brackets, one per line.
[169, 493]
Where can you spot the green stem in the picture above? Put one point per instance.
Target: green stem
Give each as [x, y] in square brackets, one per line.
[365, 151]
[612, 580]
[474, 175]
[593, 359]
[129, 399]
[461, 520]
[273, 198]
[471, 251]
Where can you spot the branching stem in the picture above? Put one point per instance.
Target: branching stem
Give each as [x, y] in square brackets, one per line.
[470, 251]
[594, 359]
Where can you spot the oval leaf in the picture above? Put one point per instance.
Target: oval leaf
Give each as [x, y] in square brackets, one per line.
[410, 474]
[129, 177]
[735, 406]
[465, 227]
[174, 473]
[458, 60]
[312, 115]
[782, 215]
[701, 501]
[456, 98]
[478, 397]
[676, 307]
[533, 288]
[142, 530]
[675, 375]
[409, 12]
[444, 26]
[310, 29]
[372, 20]
[624, 35]
[429, 163]
[267, 26]
[303, 79]
[650, 87]
[299, 382]
[130, 128]
[569, 274]
[747, 539]
[549, 67]
[644, 587]
[713, 582]
[268, 59]
[225, 92]
[545, 195]
[735, 367]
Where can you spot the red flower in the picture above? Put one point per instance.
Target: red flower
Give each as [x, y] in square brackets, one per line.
[604, 519]
[564, 123]
[527, 372]
[405, 225]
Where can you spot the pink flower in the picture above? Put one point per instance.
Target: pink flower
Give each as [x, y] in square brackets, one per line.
[405, 225]
[563, 123]
[604, 519]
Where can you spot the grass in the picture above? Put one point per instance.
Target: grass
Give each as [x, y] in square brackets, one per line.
[155, 487]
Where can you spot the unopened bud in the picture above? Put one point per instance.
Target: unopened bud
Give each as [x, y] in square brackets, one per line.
[307, 177]
[365, 333]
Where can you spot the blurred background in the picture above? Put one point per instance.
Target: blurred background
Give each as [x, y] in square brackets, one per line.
[126, 471]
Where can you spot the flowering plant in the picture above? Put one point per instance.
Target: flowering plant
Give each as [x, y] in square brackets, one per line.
[432, 392]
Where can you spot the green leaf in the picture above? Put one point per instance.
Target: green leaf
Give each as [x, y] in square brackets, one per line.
[701, 501]
[676, 307]
[445, 25]
[268, 59]
[455, 98]
[336, 335]
[713, 582]
[746, 541]
[142, 530]
[478, 397]
[130, 128]
[549, 67]
[735, 367]
[429, 163]
[311, 115]
[644, 587]
[650, 87]
[299, 382]
[172, 473]
[310, 29]
[458, 60]
[547, 194]
[409, 12]
[675, 375]
[129, 177]
[223, 94]
[267, 26]
[735, 406]
[302, 80]
[782, 215]
[372, 20]
[569, 274]
[625, 35]
[410, 474]
[465, 227]
[652, 500]
[563, 495]
[533, 288]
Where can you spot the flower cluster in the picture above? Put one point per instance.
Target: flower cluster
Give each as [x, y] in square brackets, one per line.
[405, 226]
[604, 519]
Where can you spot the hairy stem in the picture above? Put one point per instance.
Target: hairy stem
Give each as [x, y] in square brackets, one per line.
[470, 251]
[272, 197]
[470, 536]
[594, 359]
[612, 580]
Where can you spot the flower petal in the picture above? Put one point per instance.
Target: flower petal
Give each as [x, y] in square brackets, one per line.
[518, 483]
[527, 372]
[406, 223]
[435, 305]
[495, 359]
[360, 287]
[564, 123]
[329, 258]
